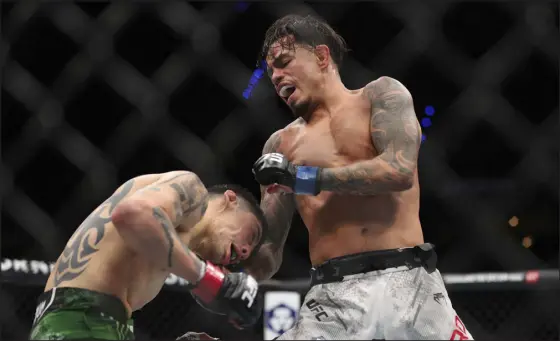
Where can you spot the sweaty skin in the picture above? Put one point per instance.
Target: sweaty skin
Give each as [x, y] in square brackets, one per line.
[368, 149]
[158, 216]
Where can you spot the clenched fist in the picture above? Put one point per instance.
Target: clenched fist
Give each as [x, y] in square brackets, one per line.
[275, 169]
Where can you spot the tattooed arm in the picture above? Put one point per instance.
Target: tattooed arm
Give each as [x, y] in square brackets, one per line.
[396, 135]
[278, 210]
[147, 222]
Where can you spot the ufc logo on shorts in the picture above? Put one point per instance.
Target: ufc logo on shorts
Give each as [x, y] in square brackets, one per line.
[460, 332]
[315, 307]
[251, 289]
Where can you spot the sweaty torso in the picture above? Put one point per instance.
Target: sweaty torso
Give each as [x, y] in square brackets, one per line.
[96, 258]
[345, 224]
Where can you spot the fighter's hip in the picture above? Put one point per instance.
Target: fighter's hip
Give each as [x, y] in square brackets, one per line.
[395, 303]
[388, 294]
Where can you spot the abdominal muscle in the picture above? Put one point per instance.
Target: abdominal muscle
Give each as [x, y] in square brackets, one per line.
[341, 225]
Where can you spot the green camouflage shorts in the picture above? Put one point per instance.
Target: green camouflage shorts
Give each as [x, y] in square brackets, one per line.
[71, 313]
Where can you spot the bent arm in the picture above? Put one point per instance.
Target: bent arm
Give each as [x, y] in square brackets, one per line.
[396, 135]
[148, 220]
[279, 210]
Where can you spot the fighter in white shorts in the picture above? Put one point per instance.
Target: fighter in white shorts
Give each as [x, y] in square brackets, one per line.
[348, 163]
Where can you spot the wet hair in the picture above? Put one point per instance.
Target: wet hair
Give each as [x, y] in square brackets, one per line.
[308, 32]
[248, 203]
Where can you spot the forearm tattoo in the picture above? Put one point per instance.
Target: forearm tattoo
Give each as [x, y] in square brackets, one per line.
[169, 231]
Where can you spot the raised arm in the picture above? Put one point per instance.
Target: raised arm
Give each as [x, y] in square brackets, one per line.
[147, 222]
[278, 209]
[396, 135]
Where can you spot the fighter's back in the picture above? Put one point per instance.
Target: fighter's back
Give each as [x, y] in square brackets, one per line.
[346, 224]
[96, 258]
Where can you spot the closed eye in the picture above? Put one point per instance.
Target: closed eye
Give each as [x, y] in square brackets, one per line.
[285, 63]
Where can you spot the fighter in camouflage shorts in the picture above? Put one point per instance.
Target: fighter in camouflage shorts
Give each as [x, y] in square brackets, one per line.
[153, 225]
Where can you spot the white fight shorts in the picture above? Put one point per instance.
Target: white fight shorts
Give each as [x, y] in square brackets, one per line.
[391, 304]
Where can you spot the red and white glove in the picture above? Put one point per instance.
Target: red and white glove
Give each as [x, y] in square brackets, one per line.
[235, 294]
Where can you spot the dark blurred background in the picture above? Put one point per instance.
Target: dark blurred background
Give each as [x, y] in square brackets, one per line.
[96, 93]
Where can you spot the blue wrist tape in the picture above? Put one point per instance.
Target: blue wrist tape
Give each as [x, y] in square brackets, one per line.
[306, 180]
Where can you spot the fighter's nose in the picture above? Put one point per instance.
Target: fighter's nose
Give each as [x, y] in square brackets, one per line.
[244, 252]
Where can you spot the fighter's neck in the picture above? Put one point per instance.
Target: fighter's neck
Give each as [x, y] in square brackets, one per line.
[332, 95]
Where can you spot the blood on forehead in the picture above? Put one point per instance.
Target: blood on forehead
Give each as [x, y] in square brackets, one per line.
[284, 43]
[280, 47]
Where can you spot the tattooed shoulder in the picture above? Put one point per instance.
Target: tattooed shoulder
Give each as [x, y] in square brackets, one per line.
[193, 195]
[383, 84]
[84, 243]
[393, 120]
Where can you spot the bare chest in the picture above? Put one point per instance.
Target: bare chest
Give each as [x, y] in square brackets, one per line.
[329, 142]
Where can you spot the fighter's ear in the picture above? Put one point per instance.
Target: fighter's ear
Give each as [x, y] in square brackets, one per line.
[323, 55]
[230, 196]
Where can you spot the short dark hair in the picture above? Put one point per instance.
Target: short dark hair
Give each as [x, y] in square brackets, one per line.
[307, 31]
[250, 203]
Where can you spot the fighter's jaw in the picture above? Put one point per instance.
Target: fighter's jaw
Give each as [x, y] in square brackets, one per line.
[293, 100]
[302, 107]
[202, 251]
[217, 255]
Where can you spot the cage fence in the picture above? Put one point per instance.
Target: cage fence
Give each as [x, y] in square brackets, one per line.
[491, 305]
[96, 93]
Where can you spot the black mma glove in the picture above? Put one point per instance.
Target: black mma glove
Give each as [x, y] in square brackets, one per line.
[232, 294]
[274, 168]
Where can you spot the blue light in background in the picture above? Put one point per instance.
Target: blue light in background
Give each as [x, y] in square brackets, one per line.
[429, 110]
[257, 74]
[426, 122]
[241, 6]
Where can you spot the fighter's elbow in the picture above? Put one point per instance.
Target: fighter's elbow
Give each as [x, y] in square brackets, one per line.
[266, 273]
[404, 182]
[274, 263]
[397, 180]
[265, 265]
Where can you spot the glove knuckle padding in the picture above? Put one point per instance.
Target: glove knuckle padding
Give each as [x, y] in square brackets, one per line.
[235, 287]
[274, 168]
[215, 307]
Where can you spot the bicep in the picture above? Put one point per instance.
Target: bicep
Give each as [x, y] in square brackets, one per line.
[395, 131]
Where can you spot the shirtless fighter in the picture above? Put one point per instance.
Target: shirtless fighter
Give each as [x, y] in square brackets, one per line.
[348, 163]
[153, 225]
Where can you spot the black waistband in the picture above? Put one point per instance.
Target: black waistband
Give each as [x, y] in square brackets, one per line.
[82, 299]
[335, 269]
